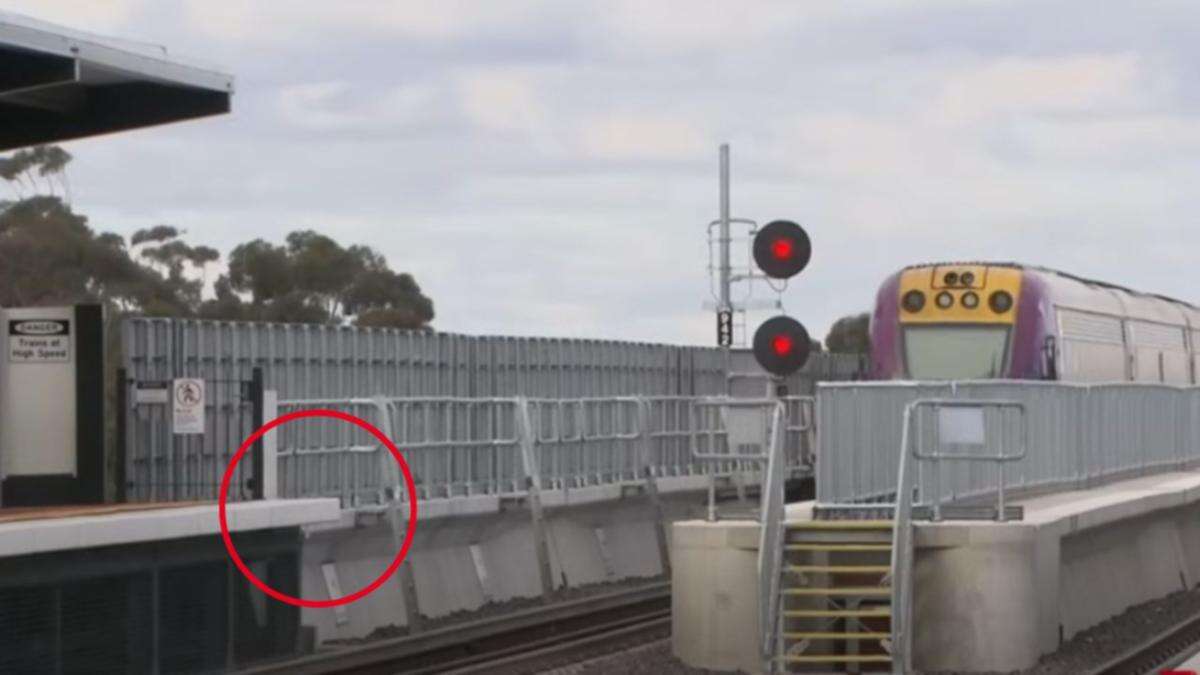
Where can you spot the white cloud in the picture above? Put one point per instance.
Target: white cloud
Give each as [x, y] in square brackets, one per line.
[101, 16]
[1030, 86]
[643, 136]
[501, 99]
[257, 21]
[340, 106]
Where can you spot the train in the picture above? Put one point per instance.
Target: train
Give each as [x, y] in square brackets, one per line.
[1004, 320]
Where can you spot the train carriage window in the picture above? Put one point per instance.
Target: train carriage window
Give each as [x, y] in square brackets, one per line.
[955, 352]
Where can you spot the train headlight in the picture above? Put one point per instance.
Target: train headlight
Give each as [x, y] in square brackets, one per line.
[969, 299]
[1000, 302]
[967, 278]
[950, 278]
[944, 300]
[913, 301]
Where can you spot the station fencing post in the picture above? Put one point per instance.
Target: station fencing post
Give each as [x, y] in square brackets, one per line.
[255, 391]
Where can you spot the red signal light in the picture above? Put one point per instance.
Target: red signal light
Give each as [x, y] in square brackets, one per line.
[782, 248]
[782, 344]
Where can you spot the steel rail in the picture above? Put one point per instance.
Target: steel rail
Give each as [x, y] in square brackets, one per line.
[1164, 651]
[462, 644]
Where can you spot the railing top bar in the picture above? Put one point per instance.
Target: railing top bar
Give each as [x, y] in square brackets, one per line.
[327, 401]
[589, 399]
[451, 399]
[736, 402]
[899, 384]
[966, 403]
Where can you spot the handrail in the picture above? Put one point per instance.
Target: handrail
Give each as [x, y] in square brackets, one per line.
[901, 563]
[902, 534]
[770, 547]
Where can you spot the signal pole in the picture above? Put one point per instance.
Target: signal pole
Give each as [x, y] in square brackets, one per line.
[724, 272]
[724, 240]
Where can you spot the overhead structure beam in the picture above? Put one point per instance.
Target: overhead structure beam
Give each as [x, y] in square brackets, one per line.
[57, 84]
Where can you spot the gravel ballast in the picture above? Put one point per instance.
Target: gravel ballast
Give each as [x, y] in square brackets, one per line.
[651, 659]
[1107, 640]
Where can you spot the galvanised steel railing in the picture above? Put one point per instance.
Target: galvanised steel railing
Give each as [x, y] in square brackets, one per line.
[770, 549]
[983, 424]
[1080, 435]
[466, 447]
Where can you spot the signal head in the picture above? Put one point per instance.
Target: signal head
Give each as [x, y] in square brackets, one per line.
[782, 249]
[781, 345]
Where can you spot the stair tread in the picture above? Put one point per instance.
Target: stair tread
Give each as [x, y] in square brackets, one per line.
[880, 612]
[819, 635]
[840, 569]
[835, 590]
[838, 658]
[838, 547]
[840, 525]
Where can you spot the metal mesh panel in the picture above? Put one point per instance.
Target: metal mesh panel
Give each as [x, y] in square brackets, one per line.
[167, 607]
[1079, 435]
[90, 626]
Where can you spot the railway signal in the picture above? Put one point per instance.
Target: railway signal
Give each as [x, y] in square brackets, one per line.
[782, 249]
[781, 345]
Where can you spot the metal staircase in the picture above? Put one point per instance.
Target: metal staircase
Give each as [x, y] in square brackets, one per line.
[835, 597]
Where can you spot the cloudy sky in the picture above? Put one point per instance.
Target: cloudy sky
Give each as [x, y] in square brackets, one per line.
[549, 168]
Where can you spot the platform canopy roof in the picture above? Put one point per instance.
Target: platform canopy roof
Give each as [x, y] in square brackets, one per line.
[58, 84]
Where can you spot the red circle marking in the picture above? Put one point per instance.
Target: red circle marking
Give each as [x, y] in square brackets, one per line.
[408, 535]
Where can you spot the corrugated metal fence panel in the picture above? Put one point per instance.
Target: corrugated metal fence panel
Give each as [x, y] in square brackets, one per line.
[309, 361]
[1078, 435]
[312, 361]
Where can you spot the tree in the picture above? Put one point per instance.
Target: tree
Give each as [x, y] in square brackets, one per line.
[50, 255]
[313, 279]
[850, 335]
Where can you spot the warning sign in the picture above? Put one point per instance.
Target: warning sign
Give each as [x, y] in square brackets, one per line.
[187, 398]
[39, 341]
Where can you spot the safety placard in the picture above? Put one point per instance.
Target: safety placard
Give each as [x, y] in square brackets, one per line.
[39, 341]
[187, 401]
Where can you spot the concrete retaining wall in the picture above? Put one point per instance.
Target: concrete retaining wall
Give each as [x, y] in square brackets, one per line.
[464, 562]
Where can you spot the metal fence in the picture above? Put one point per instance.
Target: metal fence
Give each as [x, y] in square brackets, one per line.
[469, 375]
[160, 465]
[1078, 436]
[459, 448]
[314, 361]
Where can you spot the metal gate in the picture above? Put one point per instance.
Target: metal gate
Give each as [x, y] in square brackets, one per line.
[157, 464]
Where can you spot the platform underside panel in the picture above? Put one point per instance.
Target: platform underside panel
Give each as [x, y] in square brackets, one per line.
[169, 606]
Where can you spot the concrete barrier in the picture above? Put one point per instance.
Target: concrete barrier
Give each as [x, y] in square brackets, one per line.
[462, 563]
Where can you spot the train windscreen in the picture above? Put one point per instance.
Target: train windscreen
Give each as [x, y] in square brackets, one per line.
[955, 352]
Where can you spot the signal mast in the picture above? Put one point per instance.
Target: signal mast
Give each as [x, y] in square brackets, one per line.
[780, 250]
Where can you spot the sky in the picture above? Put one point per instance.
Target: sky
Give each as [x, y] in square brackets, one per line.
[550, 168]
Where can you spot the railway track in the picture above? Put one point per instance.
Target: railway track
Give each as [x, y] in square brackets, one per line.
[518, 642]
[1164, 651]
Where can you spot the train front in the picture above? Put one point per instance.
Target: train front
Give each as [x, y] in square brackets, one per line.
[949, 322]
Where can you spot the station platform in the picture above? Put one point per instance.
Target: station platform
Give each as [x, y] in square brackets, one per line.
[988, 596]
[30, 530]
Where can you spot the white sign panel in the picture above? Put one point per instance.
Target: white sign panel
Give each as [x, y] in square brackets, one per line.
[960, 426]
[187, 400]
[146, 394]
[39, 340]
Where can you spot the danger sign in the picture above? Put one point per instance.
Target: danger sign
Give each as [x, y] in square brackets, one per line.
[39, 340]
[187, 398]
